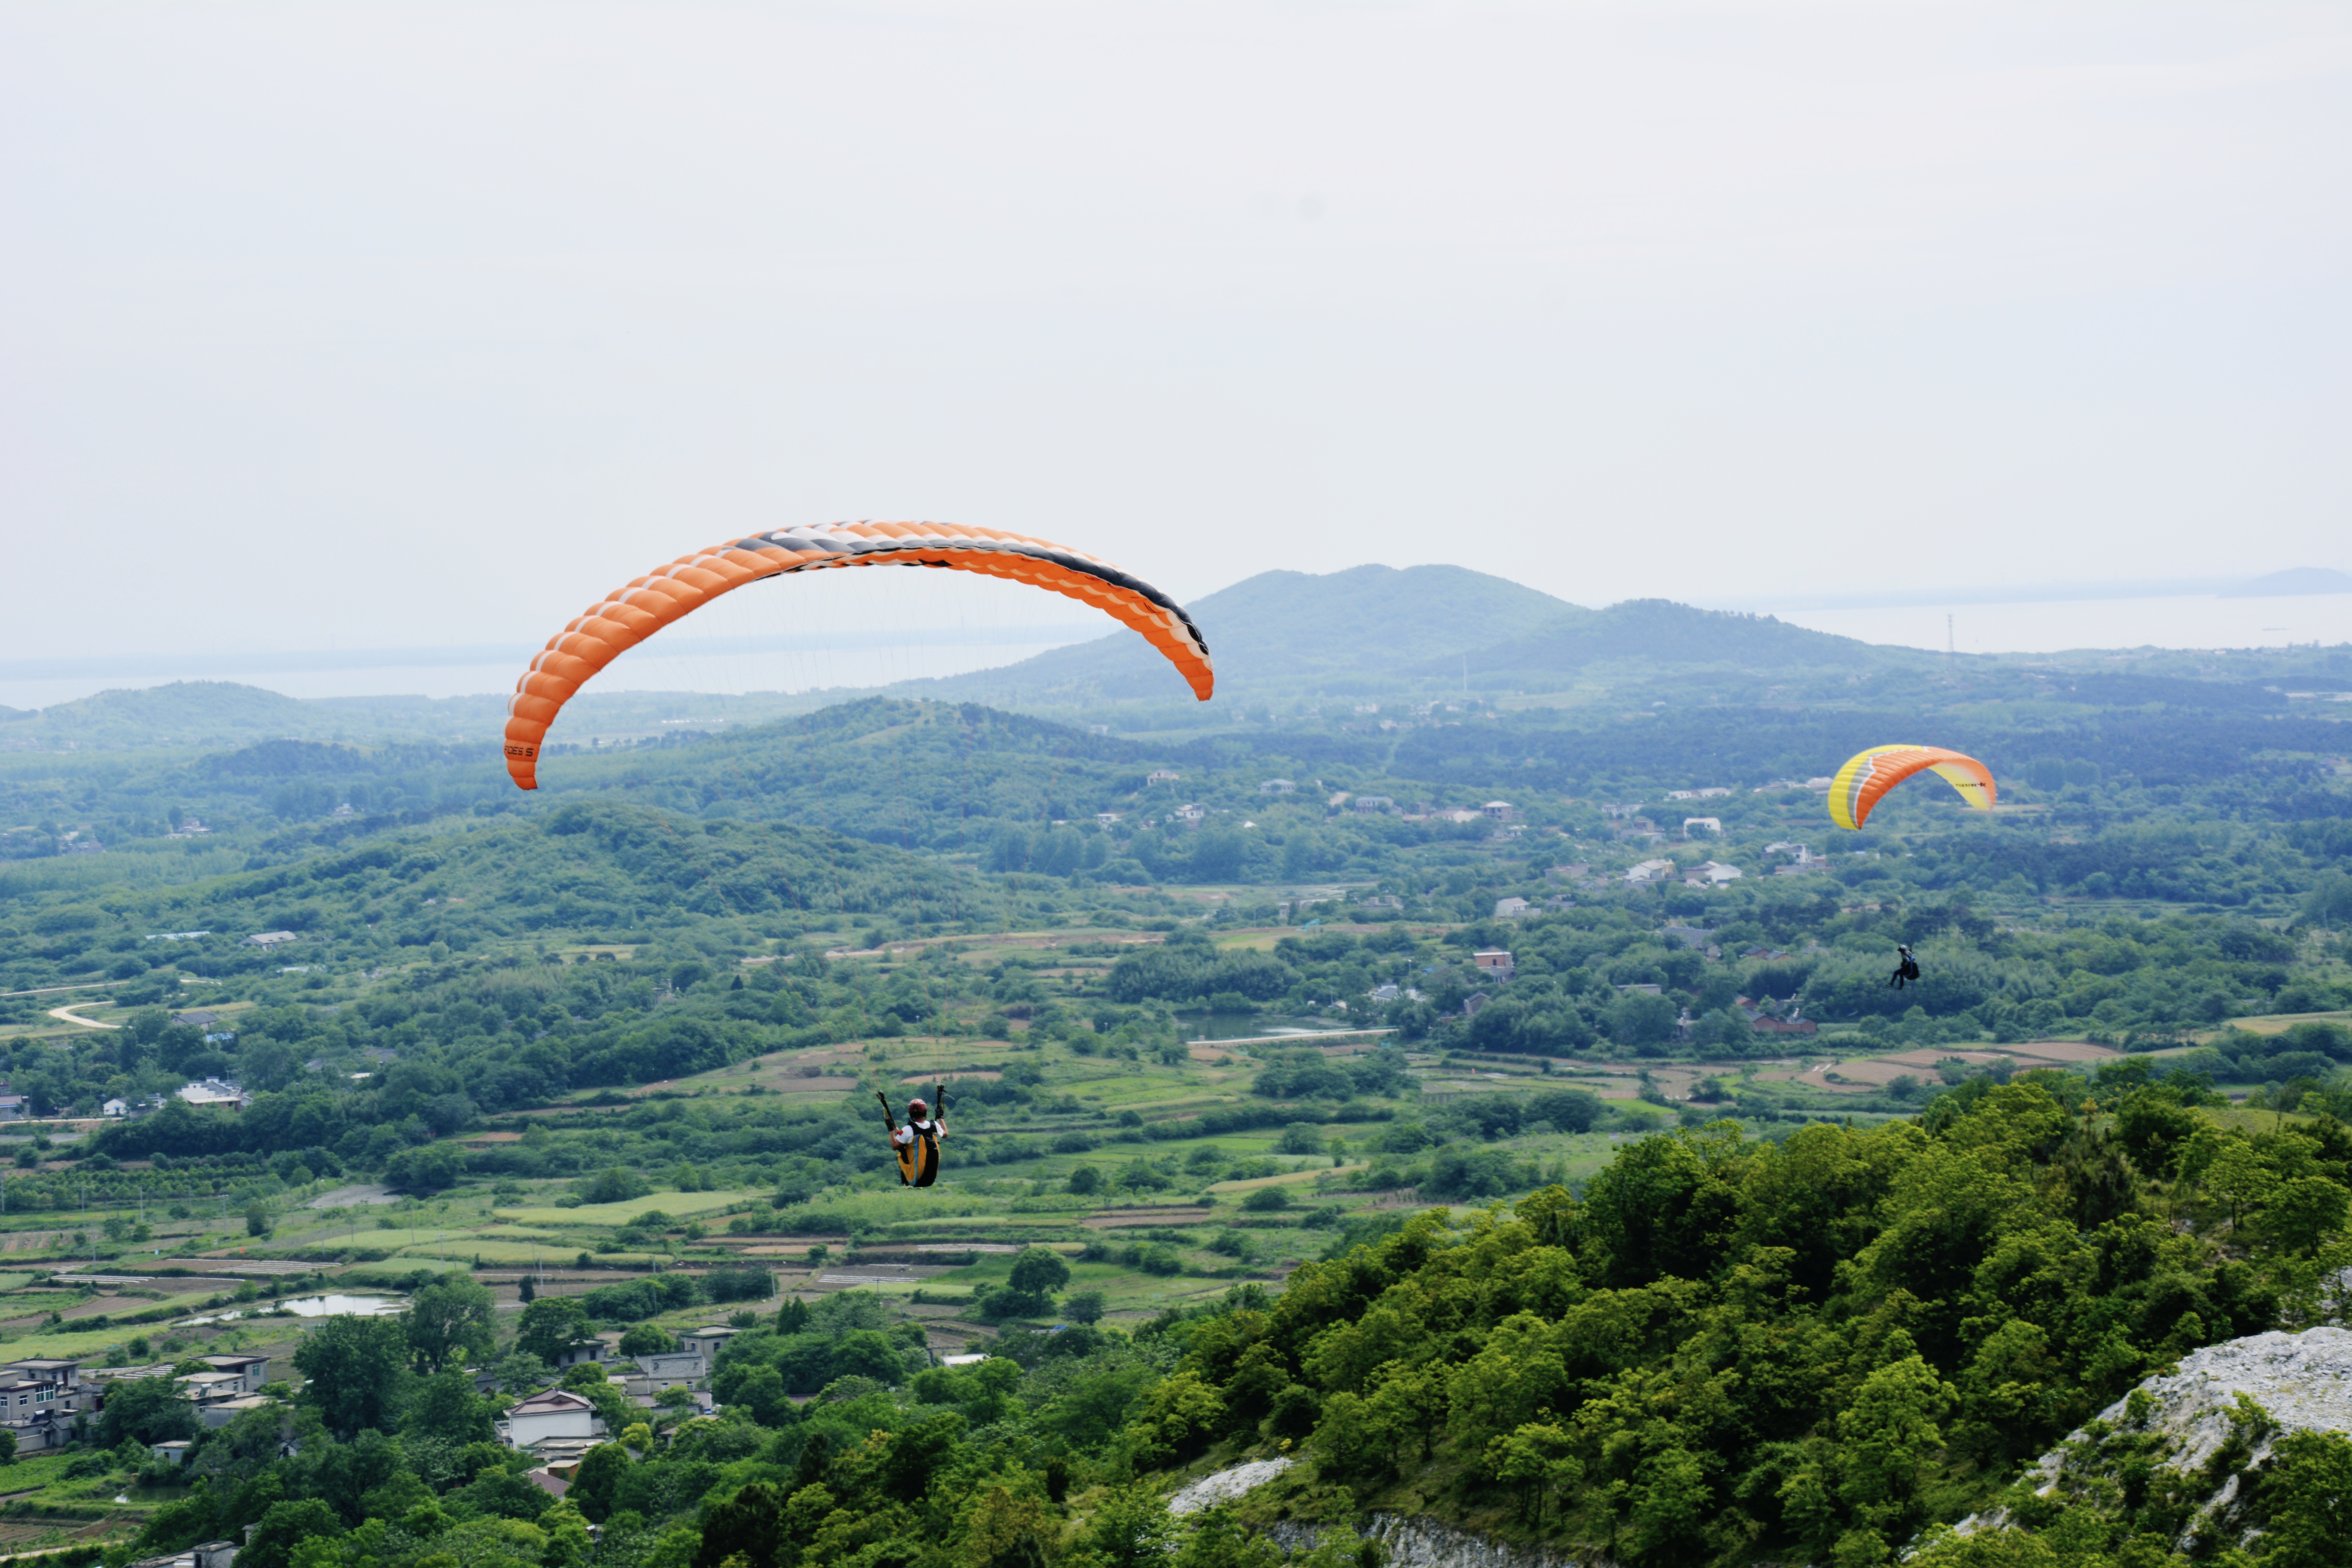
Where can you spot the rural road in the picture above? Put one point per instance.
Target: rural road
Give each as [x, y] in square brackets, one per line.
[70, 1017]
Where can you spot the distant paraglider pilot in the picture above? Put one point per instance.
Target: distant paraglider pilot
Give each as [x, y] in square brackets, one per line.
[917, 1144]
[1905, 971]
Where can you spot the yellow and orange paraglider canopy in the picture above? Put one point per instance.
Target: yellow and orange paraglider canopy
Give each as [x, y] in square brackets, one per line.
[1870, 775]
[629, 614]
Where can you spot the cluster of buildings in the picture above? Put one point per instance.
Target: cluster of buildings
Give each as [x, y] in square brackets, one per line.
[202, 1092]
[40, 1398]
[558, 1426]
[40, 1401]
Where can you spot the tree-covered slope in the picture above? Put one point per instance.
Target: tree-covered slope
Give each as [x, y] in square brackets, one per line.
[1727, 1351]
[1661, 632]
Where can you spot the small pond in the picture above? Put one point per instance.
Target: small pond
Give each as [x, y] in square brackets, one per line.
[1254, 1025]
[334, 1306]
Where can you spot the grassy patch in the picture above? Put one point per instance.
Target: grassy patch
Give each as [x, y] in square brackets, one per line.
[621, 1214]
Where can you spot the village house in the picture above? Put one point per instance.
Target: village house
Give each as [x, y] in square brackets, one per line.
[1277, 786]
[1648, 871]
[219, 1413]
[707, 1342]
[269, 939]
[554, 1414]
[1712, 874]
[208, 1554]
[250, 1371]
[1761, 1020]
[215, 1091]
[1710, 825]
[583, 1351]
[667, 1370]
[39, 1399]
[1510, 908]
[1495, 962]
[1161, 776]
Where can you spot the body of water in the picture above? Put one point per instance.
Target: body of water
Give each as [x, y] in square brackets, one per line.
[720, 674]
[2056, 626]
[1255, 1025]
[330, 1306]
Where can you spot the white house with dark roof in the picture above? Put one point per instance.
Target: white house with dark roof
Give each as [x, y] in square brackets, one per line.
[556, 1413]
[250, 1371]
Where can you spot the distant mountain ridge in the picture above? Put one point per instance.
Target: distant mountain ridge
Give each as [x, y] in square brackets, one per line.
[1372, 629]
[2294, 580]
[1662, 632]
[1279, 629]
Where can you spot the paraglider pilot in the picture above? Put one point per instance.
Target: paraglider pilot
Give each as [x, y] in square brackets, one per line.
[917, 1144]
[1908, 969]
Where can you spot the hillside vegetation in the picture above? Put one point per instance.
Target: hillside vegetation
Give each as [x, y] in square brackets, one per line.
[1258, 1149]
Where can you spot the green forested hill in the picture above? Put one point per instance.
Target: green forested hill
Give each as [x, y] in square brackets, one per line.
[635, 1021]
[1659, 632]
[1722, 1351]
[1726, 1351]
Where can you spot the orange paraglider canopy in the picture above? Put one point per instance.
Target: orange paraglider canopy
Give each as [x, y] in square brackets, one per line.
[1868, 775]
[629, 614]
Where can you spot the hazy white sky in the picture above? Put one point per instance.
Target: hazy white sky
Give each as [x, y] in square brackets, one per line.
[413, 325]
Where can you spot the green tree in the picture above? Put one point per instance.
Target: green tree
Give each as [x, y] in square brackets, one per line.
[647, 1339]
[552, 1325]
[286, 1526]
[1890, 1441]
[453, 1319]
[428, 1169]
[354, 1369]
[1131, 1528]
[2307, 1496]
[1175, 1419]
[145, 1411]
[1536, 1460]
[598, 1480]
[1039, 1271]
[446, 1408]
[1219, 1541]
[745, 1527]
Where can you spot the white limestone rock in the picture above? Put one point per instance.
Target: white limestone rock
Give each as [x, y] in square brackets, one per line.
[1226, 1485]
[2302, 1380]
